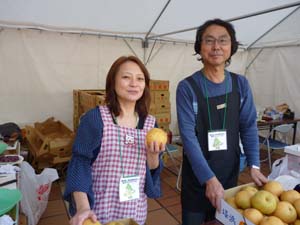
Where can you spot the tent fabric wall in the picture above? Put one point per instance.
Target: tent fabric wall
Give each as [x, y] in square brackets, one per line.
[39, 70]
[43, 68]
[274, 77]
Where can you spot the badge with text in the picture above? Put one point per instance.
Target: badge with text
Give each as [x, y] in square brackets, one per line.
[129, 139]
[221, 106]
[129, 188]
[217, 140]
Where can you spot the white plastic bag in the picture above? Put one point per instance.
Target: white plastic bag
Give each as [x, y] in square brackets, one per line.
[279, 167]
[35, 189]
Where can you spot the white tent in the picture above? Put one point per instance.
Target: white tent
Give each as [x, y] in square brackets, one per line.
[50, 47]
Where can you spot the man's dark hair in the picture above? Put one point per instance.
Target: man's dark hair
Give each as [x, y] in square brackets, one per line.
[228, 26]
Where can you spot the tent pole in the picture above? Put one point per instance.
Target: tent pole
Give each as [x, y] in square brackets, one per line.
[155, 22]
[232, 19]
[129, 46]
[268, 31]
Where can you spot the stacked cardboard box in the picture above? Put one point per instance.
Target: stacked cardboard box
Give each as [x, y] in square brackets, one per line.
[160, 103]
[83, 100]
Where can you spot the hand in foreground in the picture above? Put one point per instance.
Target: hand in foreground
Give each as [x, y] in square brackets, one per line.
[153, 151]
[82, 215]
[258, 177]
[214, 192]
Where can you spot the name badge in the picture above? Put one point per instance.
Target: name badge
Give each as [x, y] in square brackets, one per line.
[129, 188]
[217, 140]
[129, 139]
[221, 106]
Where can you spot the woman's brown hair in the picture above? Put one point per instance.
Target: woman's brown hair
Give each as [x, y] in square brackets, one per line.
[111, 100]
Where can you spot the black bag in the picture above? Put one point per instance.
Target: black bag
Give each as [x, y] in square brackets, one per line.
[10, 132]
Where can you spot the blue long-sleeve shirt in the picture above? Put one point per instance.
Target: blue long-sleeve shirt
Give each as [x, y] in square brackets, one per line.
[187, 107]
[86, 148]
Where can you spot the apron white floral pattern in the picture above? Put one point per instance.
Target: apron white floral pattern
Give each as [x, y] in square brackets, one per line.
[107, 170]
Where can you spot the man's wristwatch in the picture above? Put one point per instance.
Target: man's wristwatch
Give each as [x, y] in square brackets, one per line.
[255, 167]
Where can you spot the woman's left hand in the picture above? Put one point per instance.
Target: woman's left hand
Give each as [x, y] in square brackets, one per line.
[153, 151]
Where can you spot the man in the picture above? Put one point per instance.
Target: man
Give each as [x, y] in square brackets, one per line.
[214, 107]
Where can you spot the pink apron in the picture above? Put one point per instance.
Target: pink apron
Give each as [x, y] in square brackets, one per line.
[107, 170]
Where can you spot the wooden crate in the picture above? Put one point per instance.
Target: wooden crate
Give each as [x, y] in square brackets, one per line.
[50, 143]
[91, 98]
[84, 100]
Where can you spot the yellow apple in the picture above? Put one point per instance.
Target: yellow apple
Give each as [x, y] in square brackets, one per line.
[264, 201]
[242, 199]
[253, 215]
[231, 201]
[271, 220]
[296, 205]
[274, 187]
[240, 211]
[90, 222]
[286, 212]
[297, 222]
[114, 223]
[251, 189]
[156, 134]
[289, 196]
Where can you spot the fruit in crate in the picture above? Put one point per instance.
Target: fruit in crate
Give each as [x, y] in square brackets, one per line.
[286, 212]
[271, 220]
[264, 201]
[90, 222]
[231, 201]
[242, 199]
[158, 135]
[289, 196]
[254, 215]
[8, 158]
[274, 187]
[114, 223]
[251, 189]
[297, 222]
[296, 204]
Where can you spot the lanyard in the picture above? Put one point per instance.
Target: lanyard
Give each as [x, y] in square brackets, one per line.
[120, 147]
[207, 102]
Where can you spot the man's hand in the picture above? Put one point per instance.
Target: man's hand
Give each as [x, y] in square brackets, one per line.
[214, 192]
[258, 177]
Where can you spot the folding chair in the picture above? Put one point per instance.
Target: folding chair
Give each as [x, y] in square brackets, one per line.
[273, 144]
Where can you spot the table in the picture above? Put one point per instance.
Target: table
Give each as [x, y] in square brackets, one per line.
[263, 124]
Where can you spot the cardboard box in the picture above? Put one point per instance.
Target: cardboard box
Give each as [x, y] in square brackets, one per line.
[160, 96]
[163, 118]
[229, 215]
[163, 107]
[159, 85]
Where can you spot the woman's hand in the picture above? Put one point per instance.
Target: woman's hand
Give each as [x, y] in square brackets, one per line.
[153, 151]
[82, 215]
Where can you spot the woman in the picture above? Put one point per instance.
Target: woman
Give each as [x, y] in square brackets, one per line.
[112, 171]
[214, 106]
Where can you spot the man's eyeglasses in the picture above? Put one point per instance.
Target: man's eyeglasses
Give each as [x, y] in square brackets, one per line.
[212, 41]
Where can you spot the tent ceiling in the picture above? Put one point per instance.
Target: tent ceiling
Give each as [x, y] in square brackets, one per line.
[135, 17]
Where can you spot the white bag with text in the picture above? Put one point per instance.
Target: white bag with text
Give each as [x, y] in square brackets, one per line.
[35, 189]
